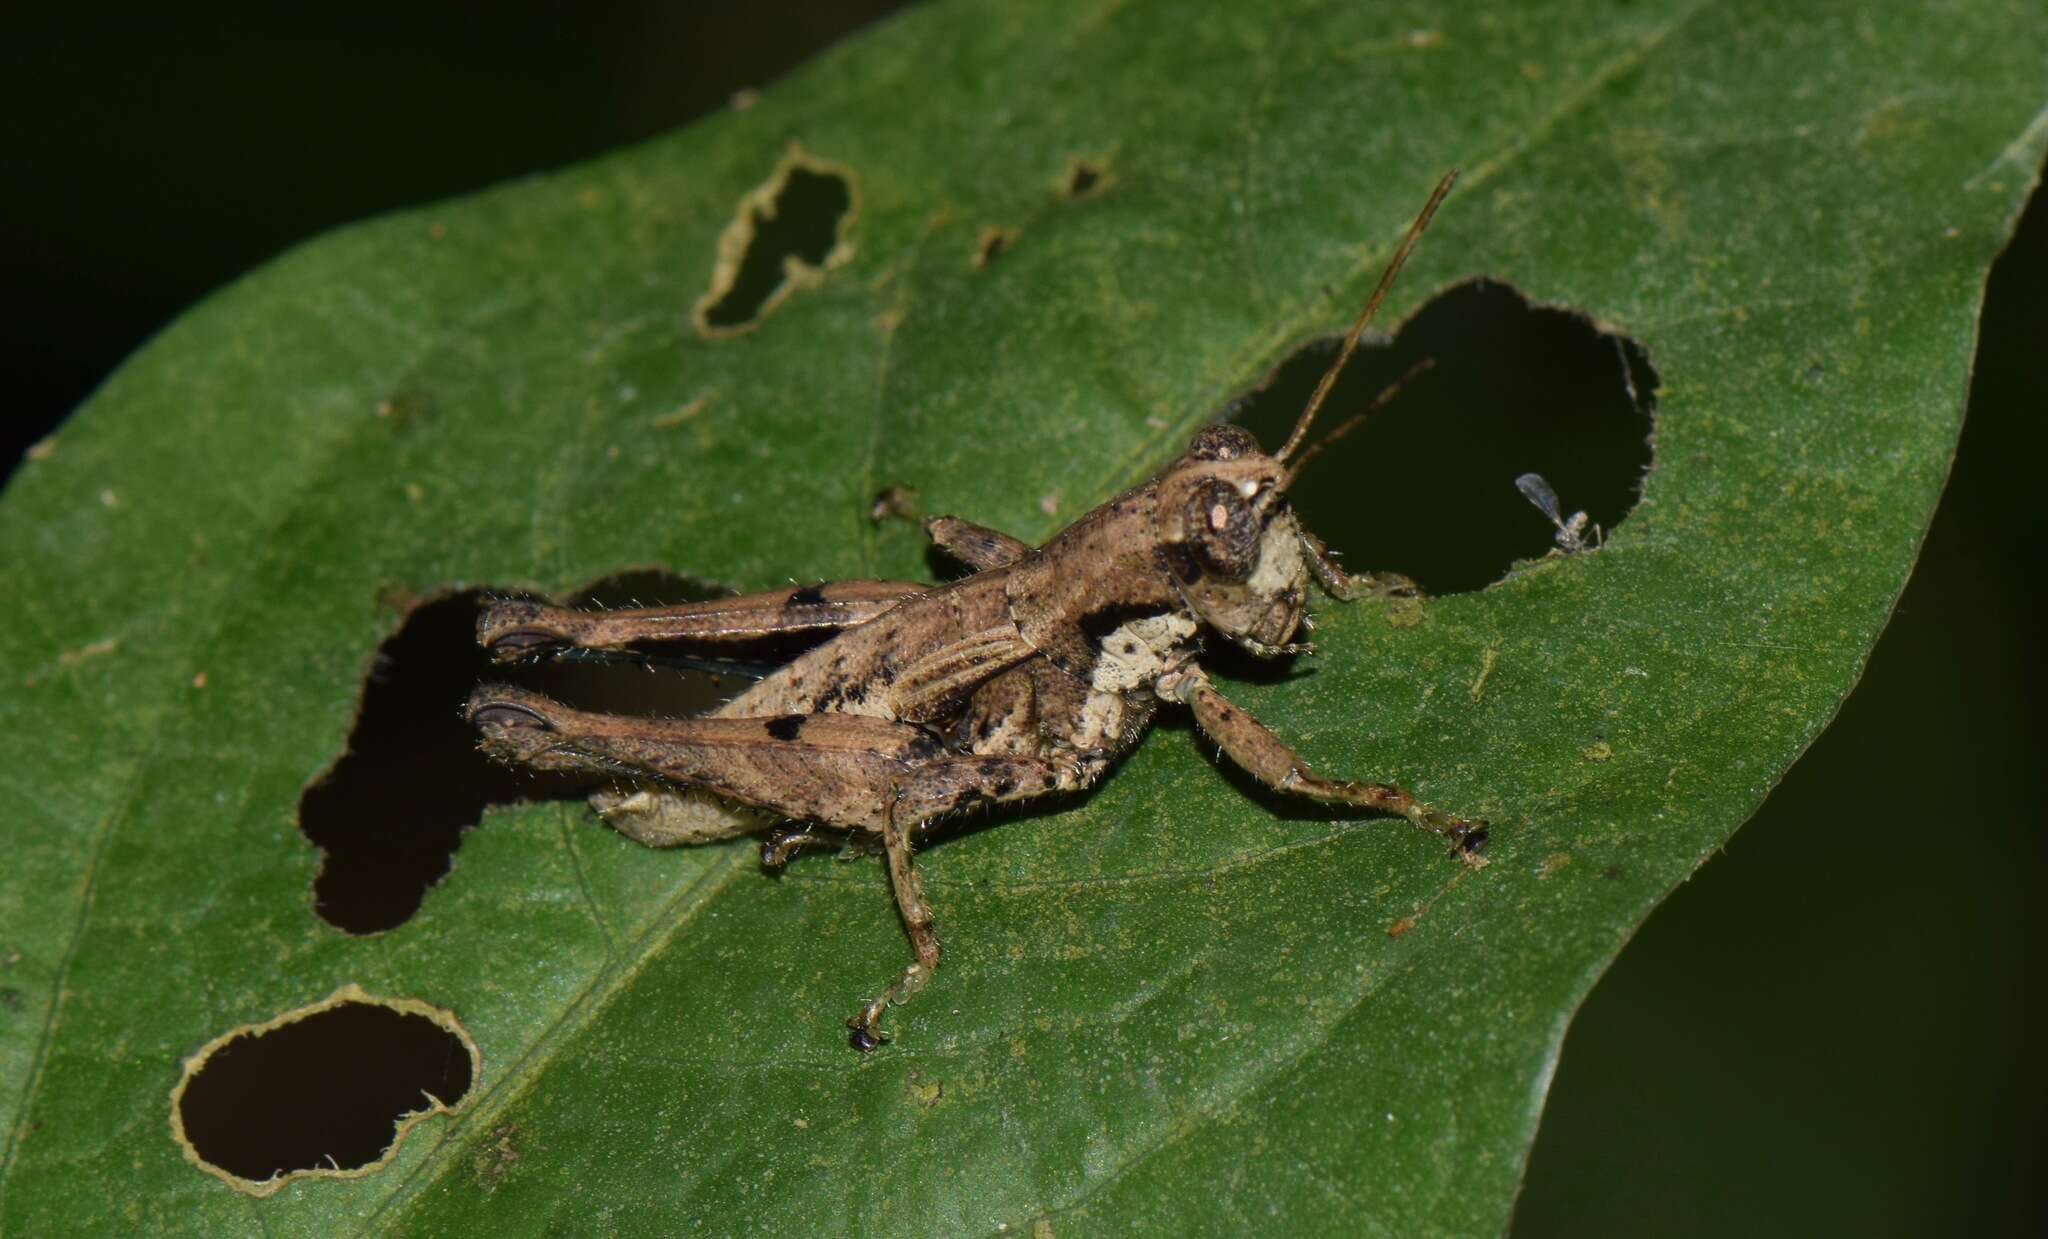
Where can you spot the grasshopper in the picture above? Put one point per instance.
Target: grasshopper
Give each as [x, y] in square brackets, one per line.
[1027, 678]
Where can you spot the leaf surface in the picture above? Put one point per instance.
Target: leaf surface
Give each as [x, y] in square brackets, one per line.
[1167, 1004]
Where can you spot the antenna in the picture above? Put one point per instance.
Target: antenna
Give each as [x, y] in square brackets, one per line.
[1379, 294]
[1357, 419]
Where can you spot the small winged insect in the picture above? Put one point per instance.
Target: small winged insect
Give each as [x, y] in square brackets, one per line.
[1027, 678]
[1571, 530]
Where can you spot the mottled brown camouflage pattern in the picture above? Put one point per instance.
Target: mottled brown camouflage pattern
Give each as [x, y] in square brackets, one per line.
[1028, 678]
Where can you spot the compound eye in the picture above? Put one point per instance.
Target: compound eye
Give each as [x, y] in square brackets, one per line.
[1223, 530]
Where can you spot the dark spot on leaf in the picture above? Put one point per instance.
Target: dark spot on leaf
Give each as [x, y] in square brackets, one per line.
[1516, 388]
[788, 727]
[401, 409]
[322, 1089]
[498, 1157]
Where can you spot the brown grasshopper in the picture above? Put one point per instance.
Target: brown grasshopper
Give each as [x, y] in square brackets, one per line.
[1027, 678]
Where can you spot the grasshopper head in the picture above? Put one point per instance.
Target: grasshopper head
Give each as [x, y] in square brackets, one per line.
[1226, 534]
[1230, 542]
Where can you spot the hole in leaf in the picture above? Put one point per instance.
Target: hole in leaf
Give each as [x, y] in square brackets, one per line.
[1427, 487]
[787, 233]
[328, 1089]
[390, 814]
[993, 242]
[1084, 178]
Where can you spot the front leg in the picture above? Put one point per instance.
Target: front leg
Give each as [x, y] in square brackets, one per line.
[1264, 756]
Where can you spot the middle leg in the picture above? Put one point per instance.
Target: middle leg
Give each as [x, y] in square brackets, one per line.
[939, 787]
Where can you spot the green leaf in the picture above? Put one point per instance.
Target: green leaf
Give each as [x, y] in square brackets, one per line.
[1166, 1005]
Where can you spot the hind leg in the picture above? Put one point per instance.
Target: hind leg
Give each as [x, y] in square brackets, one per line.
[866, 775]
